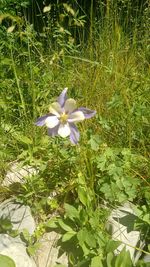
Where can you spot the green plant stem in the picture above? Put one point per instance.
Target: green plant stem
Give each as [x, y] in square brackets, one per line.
[90, 181]
[18, 85]
[139, 249]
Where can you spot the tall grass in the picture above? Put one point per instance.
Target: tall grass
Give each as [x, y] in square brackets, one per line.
[109, 74]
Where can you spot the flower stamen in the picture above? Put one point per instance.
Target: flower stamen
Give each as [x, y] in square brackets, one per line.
[63, 118]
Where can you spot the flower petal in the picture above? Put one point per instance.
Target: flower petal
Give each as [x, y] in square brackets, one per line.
[75, 135]
[55, 109]
[51, 121]
[53, 131]
[76, 116]
[88, 113]
[41, 120]
[64, 130]
[63, 97]
[70, 105]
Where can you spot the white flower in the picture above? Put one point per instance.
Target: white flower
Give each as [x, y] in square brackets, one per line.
[63, 116]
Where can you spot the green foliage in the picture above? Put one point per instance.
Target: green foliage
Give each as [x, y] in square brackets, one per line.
[83, 237]
[84, 240]
[6, 261]
[121, 260]
[12, 6]
[142, 222]
[6, 227]
[116, 174]
[31, 241]
[101, 54]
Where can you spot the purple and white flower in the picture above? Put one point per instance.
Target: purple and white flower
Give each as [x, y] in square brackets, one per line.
[62, 117]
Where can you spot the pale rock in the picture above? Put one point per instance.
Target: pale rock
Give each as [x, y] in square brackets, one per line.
[19, 215]
[47, 254]
[15, 249]
[18, 173]
[120, 224]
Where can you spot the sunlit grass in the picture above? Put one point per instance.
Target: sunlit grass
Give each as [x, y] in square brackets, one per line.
[106, 70]
[110, 75]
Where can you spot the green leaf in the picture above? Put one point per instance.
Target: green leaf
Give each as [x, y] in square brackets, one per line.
[146, 218]
[52, 223]
[83, 197]
[86, 240]
[123, 259]
[102, 163]
[6, 261]
[81, 235]
[67, 236]
[65, 226]
[110, 257]
[5, 225]
[86, 251]
[96, 262]
[90, 239]
[71, 211]
[25, 236]
[33, 248]
[95, 142]
[112, 245]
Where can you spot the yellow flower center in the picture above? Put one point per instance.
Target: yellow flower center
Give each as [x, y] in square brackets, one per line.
[63, 118]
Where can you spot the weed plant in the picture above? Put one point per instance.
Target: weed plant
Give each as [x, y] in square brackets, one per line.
[108, 71]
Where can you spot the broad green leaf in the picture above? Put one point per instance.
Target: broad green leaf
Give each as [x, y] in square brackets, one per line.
[123, 259]
[71, 211]
[52, 223]
[67, 236]
[96, 262]
[6, 261]
[112, 245]
[71, 258]
[33, 248]
[81, 236]
[26, 237]
[83, 197]
[90, 240]
[86, 251]
[110, 257]
[86, 240]
[146, 218]
[64, 226]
